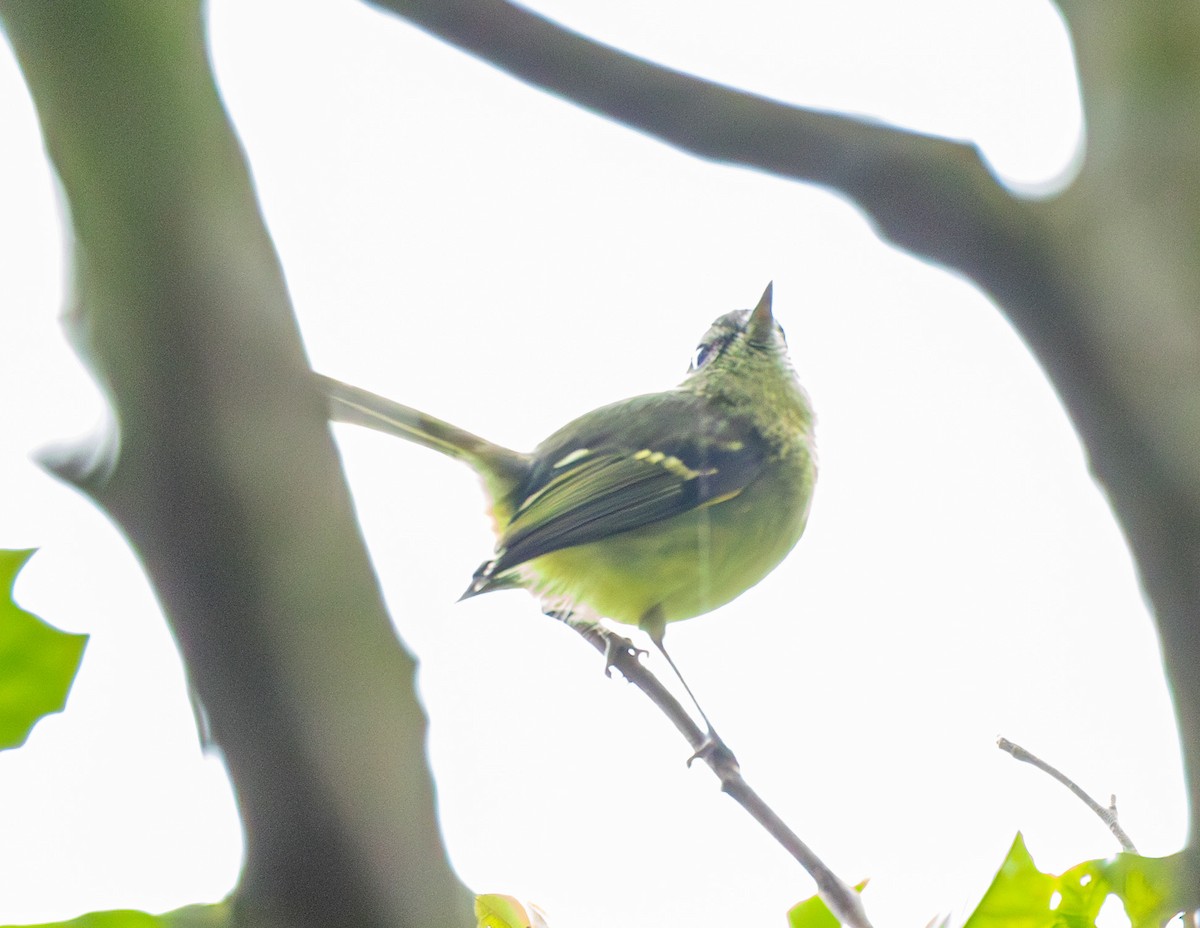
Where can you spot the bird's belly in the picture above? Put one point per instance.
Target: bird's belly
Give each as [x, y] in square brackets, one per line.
[684, 566]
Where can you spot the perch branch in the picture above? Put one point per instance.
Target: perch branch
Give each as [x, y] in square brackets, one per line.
[843, 901]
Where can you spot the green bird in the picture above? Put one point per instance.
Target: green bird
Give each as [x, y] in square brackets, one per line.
[650, 510]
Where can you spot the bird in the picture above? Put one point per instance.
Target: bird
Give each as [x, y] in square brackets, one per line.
[650, 510]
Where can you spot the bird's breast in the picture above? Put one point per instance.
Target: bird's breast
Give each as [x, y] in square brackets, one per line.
[686, 565]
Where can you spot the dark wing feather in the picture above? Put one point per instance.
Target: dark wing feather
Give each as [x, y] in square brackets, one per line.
[625, 466]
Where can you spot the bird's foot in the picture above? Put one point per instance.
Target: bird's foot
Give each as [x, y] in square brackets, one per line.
[716, 753]
[615, 644]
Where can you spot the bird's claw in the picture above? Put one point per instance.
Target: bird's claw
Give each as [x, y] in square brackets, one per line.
[716, 753]
[615, 644]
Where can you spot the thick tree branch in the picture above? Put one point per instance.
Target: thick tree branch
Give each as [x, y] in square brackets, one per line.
[1128, 230]
[928, 194]
[223, 474]
[1046, 265]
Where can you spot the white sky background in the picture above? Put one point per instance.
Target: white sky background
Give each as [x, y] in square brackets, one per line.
[473, 247]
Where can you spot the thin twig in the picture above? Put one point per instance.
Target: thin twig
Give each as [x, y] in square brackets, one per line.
[843, 901]
[1108, 816]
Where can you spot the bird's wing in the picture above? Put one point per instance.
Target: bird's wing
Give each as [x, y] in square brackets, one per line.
[625, 466]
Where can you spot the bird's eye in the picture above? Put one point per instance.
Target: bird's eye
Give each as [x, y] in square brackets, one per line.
[701, 356]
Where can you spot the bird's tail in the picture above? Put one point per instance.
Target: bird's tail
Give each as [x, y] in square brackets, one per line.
[501, 468]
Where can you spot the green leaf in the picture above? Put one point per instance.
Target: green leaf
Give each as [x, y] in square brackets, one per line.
[1021, 896]
[814, 913]
[37, 661]
[115, 919]
[192, 916]
[1151, 888]
[493, 910]
[811, 913]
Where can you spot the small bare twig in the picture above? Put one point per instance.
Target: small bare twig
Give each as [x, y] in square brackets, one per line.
[1108, 816]
[842, 900]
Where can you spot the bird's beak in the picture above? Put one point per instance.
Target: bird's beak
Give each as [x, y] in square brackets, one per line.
[761, 324]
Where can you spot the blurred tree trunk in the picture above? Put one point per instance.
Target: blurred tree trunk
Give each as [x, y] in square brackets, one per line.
[223, 474]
